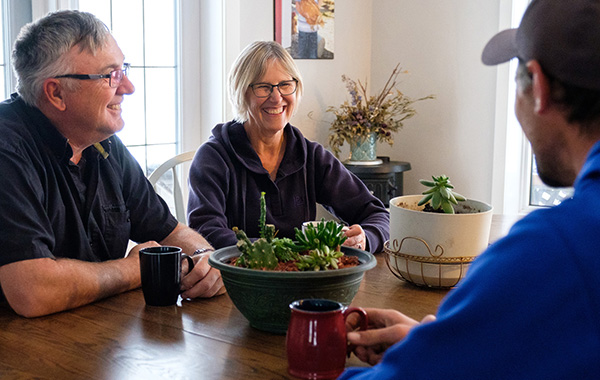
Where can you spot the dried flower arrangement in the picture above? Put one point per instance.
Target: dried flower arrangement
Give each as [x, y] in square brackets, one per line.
[382, 114]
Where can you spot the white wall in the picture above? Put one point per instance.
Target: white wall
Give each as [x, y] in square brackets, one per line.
[322, 78]
[439, 42]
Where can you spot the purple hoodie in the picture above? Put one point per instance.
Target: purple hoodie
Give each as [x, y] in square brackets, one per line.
[227, 177]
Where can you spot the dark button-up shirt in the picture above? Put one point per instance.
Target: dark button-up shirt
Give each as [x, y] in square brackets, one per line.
[50, 207]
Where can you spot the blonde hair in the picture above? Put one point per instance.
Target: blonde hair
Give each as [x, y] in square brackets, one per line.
[251, 65]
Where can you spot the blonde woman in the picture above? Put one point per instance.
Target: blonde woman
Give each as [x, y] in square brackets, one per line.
[259, 151]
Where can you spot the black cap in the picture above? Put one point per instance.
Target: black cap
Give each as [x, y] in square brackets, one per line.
[562, 35]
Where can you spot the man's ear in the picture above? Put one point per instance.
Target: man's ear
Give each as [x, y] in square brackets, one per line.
[541, 87]
[52, 91]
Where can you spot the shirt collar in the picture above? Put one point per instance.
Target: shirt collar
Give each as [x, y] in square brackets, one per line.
[54, 140]
[591, 165]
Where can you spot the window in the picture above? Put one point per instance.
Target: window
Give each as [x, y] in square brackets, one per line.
[146, 31]
[3, 67]
[520, 188]
[539, 193]
[162, 39]
[543, 195]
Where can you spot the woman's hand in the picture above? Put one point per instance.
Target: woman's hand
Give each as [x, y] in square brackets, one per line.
[386, 328]
[355, 237]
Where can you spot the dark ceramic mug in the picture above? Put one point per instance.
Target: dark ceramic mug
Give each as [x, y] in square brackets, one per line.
[160, 268]
[316, 338]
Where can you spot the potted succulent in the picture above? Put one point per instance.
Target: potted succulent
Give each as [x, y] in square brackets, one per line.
[263, 277]
[435, 248]
[367, 119]
[439, 197]
[317, 247]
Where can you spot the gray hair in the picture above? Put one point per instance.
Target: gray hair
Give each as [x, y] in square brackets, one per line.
[250, 66]
[40, 50]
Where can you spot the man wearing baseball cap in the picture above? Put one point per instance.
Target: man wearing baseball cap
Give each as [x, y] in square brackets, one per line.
[529, 307]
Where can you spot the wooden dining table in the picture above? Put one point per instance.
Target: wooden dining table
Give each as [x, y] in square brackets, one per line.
[122, 338]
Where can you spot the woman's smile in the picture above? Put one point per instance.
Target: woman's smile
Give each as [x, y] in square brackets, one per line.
[274, 111]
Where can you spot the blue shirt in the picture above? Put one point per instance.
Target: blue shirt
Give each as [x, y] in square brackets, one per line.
[50, 207]
[529, 307]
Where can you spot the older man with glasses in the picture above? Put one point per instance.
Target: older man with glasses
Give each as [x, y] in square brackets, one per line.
[73, 196]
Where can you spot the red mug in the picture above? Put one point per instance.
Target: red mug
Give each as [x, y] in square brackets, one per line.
[316, 338]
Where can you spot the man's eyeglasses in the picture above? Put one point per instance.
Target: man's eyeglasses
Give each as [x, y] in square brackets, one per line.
[264, 90]
[114, 77]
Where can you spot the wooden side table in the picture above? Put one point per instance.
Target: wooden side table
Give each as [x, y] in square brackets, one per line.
[385, 180]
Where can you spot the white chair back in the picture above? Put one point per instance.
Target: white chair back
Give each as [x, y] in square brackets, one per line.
[177, 191]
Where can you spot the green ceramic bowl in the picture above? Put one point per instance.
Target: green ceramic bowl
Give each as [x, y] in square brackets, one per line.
[263, 297]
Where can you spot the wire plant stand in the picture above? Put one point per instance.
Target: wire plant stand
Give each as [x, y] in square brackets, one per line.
[432, 270]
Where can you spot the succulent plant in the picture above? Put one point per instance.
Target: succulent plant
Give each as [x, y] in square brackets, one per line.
[440, 194]
[319, 258]
[319, 244]
[259, 254]
[266, 251]
[324, 234]
[284, 249]
[267, 231]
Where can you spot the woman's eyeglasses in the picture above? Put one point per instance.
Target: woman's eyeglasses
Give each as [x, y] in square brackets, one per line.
[264, 90]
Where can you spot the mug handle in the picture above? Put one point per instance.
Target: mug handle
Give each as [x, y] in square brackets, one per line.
[364, 322]
[190, 262]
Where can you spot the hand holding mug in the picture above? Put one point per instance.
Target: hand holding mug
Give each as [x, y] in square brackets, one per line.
[203, 281]
[386, 328]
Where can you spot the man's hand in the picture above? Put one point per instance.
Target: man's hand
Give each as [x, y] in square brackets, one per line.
[386, 327]
[134, 253]
[203, 280]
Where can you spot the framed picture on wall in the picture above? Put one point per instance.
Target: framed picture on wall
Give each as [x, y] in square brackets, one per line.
[305, 27]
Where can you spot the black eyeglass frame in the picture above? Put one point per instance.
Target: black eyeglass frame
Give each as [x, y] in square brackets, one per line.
[110, 76]
[271, 86]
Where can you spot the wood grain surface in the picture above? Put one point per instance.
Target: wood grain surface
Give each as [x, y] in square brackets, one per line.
[122, 338]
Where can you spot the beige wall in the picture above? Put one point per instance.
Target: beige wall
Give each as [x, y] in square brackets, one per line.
[439, 42]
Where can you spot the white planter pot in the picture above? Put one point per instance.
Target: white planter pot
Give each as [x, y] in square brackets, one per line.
[436, 249]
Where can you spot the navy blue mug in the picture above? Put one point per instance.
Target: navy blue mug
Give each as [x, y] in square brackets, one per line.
[160, 269]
